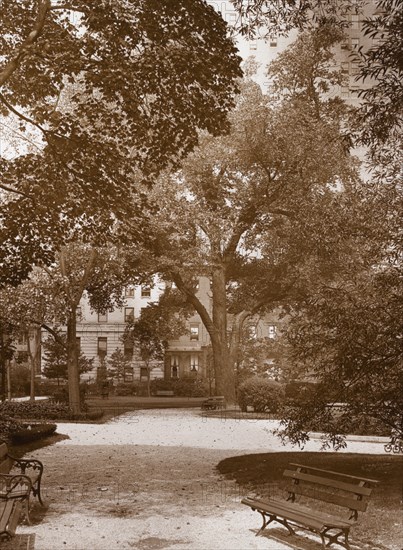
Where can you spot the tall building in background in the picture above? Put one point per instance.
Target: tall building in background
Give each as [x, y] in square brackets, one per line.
[265, 50]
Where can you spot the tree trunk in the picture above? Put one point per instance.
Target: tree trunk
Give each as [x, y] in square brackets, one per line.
[3, 366]
[72, 364]
[224, 365]
[8, 380]
[33, 343]
[148, 380]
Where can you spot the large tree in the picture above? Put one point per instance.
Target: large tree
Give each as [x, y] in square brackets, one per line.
[249, 210]
[115, 92]
[53, 293]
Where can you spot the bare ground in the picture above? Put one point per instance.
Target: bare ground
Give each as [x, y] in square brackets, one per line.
[164, 495]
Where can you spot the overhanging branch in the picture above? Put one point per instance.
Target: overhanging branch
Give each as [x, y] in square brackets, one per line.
[13, 64]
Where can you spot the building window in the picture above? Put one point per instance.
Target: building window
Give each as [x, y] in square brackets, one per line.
[273, 42]
[231, 18]
[145, 291]
[253, 45]
[129, 314]
[128, 349]
[79, 313]
[174, 366]
[22, 339]
[194, 362]
[102, 346]
[129, 291]
[143, 373]
[345, 92]
[252, 330]
[194, 332]
[103, 317]
[78, 344]
[272, 330]
[355, 42]
[355, 21]
[345, 67]
[128, 374]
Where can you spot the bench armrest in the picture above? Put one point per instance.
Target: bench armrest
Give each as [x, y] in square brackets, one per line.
[17, 486]
[28, 463]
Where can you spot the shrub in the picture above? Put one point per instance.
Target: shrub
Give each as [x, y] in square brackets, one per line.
[190, 387]
[8, 424]
[299, 392]
[36, 410]
[263, 394]
[126, 389]
[61, 395]
[28, 433]
[160, 384]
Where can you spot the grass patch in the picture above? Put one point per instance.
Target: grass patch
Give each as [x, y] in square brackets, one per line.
[380, 526]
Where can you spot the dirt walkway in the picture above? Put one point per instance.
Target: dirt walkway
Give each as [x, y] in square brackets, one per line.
[122, 494]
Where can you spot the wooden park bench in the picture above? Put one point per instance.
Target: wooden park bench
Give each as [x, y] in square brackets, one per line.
[164, 393]
[316, 486]
[10, 511]
[19, 478]
[213, 403]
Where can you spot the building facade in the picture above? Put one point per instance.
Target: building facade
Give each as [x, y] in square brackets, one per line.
[99, 336]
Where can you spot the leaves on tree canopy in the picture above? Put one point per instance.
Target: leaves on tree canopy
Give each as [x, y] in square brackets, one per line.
[270, 18]
[116, 91]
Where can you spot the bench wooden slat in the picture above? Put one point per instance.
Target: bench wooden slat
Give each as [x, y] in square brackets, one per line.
[10, 512]
[346, 502]
[339, 474]
[299, 516]
[325, 517]
[5, 462]
[349, 487]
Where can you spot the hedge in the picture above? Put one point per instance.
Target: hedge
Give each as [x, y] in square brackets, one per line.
[263, 394]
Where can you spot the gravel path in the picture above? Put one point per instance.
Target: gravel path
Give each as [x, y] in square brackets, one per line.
[147, 481]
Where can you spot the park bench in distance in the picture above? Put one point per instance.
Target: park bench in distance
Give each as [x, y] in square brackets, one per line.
[338, 490]
[18, 486]
[213, 403]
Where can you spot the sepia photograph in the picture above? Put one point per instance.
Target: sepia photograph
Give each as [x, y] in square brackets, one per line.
[201, 274]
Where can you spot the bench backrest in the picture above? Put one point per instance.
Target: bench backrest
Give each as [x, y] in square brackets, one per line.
[5, 462]
[336, 488]
[216, 398]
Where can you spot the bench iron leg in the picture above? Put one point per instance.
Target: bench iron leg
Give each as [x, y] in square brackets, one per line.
[274, 518]
[335, 539]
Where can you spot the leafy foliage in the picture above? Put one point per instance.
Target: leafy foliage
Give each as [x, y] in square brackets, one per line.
[115, 92]
[117, 365]
[255, 211]
[347, 338]
[270, 18]
[55, 359]
[382, 67]
[262, 394]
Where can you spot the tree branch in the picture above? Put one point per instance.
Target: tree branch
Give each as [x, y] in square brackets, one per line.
[21, 116]
[55, 335]
[195, 302]
[67, 7]
[13, 64]
[11, 190]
